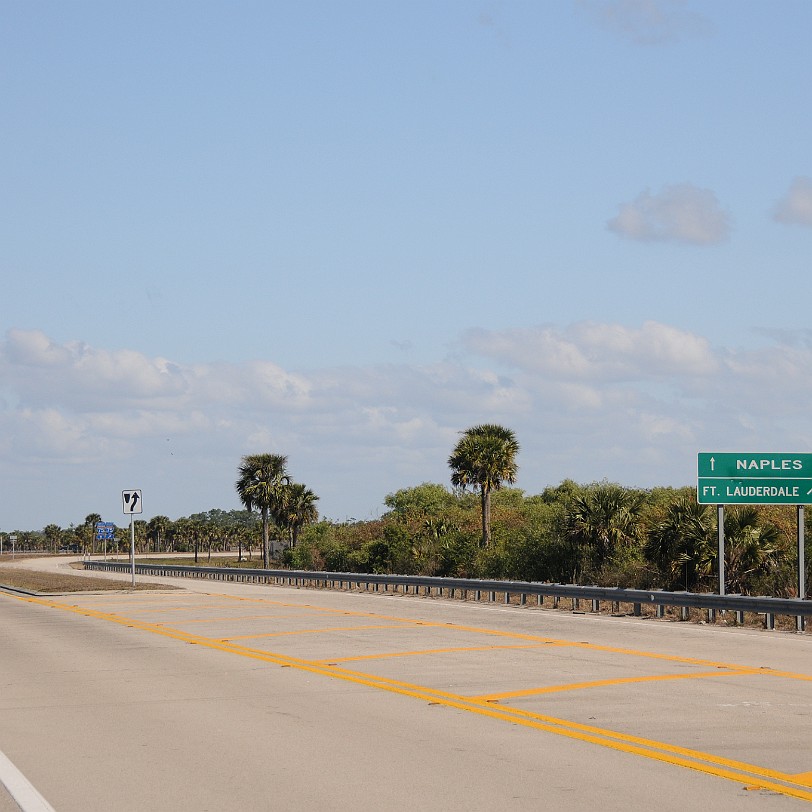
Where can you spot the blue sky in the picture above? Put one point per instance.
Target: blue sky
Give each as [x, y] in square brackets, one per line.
[346, 231]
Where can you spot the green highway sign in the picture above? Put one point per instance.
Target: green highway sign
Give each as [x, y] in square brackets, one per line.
[748, 479]
[754, 491]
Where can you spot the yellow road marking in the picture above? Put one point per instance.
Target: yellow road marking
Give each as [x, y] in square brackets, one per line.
[601, 683]
[493, 632]
[308, 631]
[739, 772]
[422, 652]
[230, 618]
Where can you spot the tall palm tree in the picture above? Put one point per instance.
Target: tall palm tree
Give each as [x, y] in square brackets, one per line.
[259, 486]
[88, 531]
[52, 533]
[156, 530]
[484, 458]
[297, 508]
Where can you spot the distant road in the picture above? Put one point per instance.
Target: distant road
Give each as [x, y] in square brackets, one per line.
[226, 696]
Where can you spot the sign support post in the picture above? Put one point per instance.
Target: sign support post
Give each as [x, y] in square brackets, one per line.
[799, 620]
[131, 501]
[132, 548]
[720, 527]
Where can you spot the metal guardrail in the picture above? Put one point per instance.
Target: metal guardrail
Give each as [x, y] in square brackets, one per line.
[595, 595]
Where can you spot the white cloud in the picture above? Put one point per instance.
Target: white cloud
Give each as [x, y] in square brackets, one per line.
[648, 22]
[796, 206]
[589, 400]
[597, 351]
[680, 213]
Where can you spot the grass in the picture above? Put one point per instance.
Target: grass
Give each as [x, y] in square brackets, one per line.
[219, 561]
[48, 582]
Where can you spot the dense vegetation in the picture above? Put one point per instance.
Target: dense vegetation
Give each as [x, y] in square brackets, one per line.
[600, 533]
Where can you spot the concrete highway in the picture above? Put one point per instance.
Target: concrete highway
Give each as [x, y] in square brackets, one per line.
[224, 696]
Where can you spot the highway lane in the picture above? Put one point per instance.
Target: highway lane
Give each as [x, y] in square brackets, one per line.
[227, 696]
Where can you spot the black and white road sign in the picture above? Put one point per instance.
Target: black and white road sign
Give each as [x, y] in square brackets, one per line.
[131, 501]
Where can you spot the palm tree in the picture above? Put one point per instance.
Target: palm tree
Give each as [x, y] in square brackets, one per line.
[259, 486]
[682, 542]
[604, 518]
[52, 533]
[751, 548]
[88, 530]
[156, 530]
[297, 508]
[484, 457]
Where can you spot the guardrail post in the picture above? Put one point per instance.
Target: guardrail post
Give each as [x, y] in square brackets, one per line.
[596, 605]
[507, 597]
[637, 609]
[769, 621]
[684, 613]
[659, 611]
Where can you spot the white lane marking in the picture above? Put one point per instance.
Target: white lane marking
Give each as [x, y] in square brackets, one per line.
[21, 789]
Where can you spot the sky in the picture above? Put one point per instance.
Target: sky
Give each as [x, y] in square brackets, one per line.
[347, 231]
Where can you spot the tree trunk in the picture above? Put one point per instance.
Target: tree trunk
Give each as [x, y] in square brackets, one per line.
[486, 516]
[266, 551]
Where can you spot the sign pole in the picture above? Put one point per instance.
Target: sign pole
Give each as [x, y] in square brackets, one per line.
[799, 620]
[132, 548]
[720, 523]
[132, 504]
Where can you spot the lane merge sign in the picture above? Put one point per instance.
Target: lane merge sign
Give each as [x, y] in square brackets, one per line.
[725, 478]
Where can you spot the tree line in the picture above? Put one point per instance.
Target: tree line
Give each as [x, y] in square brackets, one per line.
[481, 527]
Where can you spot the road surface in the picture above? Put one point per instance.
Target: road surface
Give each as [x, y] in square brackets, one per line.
[226, 696]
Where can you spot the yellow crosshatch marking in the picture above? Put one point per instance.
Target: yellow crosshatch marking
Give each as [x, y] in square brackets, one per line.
[603, 683]
[310, 631]
[748, 775]
[425, 652]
